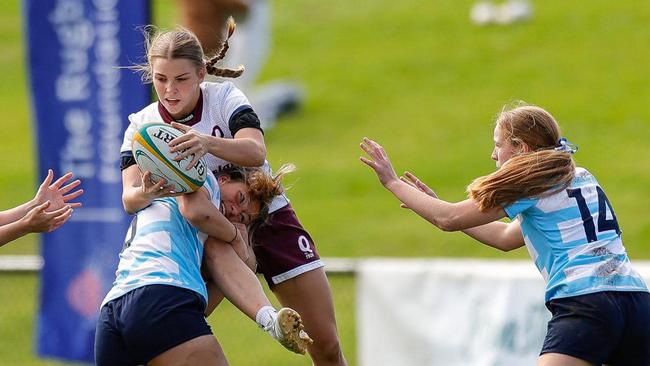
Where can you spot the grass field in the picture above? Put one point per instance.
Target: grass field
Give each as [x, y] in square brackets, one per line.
[242, 341]
[418, 77]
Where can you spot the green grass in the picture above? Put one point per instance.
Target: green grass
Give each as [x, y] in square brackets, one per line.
[418, 77]
[235, 332]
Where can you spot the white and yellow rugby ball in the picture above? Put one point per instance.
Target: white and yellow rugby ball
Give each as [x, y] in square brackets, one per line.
[151, 153]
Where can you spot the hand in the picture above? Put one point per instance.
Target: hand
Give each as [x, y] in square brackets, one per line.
[190, 143]
[58, 196]
[38, 220]
[153, 190]
[378, 161]
[410, 179]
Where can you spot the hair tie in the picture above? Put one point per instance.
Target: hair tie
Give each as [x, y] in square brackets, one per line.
[566, 146]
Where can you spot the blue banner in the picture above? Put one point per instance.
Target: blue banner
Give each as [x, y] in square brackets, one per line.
[81, 98]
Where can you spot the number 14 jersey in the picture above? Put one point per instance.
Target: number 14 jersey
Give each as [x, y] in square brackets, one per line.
[575, 241]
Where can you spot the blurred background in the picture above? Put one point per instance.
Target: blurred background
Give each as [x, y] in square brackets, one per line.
[424, 80]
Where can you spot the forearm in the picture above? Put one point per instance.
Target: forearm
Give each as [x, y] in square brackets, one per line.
[216, 225]
[461, 216]
[134, 200]
[438, 212]
[234, 279]
[134, 197]
[16, 213]
[206, 217]
[12, 231]
[495, 235]
[244, 151]
[445, 215]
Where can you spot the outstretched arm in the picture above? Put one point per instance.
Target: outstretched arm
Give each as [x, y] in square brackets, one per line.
[499, 235]
[37, 220]
[32, 216]
[55, 192]
[14, 214]
[444, 215]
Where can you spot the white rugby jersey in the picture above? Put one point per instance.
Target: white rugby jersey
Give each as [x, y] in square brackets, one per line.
[575, 241]
[162, 248]
[219, 103]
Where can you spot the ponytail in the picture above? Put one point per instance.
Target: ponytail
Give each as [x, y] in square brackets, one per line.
[543, 167]
[535, 174]
[224, 72]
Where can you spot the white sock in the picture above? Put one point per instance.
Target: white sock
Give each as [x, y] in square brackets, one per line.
[265, 317]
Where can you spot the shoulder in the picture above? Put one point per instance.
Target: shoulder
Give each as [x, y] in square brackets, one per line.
[583, 177]
[219, 89]
[582, 172]
[521, 205]
[147, 114]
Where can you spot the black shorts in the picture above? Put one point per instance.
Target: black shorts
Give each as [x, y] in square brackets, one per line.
[145, 322]
[611, 327]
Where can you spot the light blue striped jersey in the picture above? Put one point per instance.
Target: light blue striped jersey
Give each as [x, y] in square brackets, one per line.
[162, 248]
[574, 238]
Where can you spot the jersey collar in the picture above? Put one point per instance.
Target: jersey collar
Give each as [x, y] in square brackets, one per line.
[189, 120]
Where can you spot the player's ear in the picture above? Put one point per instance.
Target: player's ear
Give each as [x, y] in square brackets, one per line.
[223, 179]
[521, 148]
[202, 73]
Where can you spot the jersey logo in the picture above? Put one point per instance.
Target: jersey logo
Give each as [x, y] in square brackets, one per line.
[305, 247]
[216, 131]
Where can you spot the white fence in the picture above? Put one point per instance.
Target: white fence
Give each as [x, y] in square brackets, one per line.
[451, 312]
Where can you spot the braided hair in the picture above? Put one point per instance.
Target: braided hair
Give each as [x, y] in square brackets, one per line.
[182, 43]
[224, 72]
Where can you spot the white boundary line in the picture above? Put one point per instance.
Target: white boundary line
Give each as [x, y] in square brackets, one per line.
[20, 263]
[333, 265]
[34, 263]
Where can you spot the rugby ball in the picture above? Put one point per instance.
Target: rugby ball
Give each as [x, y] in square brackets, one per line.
[151, 153]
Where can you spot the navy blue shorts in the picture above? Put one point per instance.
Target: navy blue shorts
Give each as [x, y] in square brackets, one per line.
[611, 327]
[145, 322]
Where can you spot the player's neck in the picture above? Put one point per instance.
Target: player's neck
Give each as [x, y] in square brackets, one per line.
[190, 119]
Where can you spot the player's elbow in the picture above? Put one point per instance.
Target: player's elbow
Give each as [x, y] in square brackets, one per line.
[450, 223]
[194, 217]
[128, 207]
[443, 225]
[258, 155]
[509, 246]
